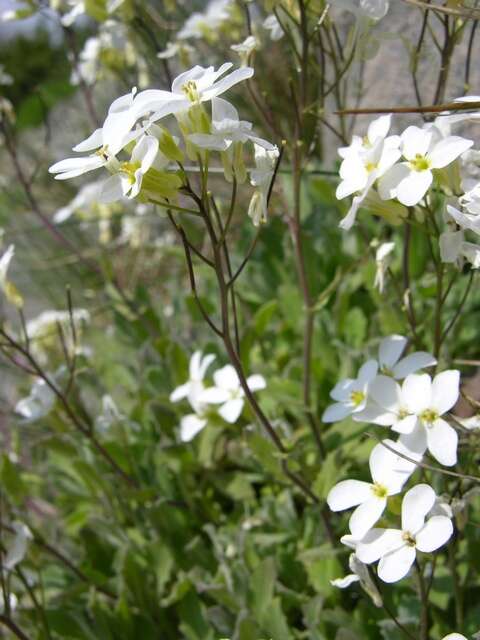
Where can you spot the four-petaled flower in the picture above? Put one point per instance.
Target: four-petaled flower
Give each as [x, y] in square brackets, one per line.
[191, 390]
[396, 548]
[351, 394]
[430, 400]
[423, 151]
[229, 393]
[389, 474]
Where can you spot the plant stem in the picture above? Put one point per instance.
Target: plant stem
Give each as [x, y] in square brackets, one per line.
[424, 622]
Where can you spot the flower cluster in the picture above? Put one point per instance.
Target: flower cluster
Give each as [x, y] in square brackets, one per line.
[390, 392]
[384, 167]
[227, 392]
[388, 174]
[153, 167]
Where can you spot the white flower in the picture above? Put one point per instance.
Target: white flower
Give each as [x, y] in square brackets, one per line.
[374, 9]
[85, 198]
[390, 362]
[261, 178]
[362, 575]
[192, 87]
[38, 403]
[200, 24]
[365, 161]
[455, 249]
[382, 259]
[273, 25]
[192, 390]
[377, 130]
[389, 474]
[471, 219]
[174, 48]
[454, 636]
[228, 392]
[17, 548]
[87, 68]
[429, 400]
[227, 128]
[395, 405]
[127, 181]
[351, 394]
[396, 548]
[245, 48]
[106, 144]
[423, 152]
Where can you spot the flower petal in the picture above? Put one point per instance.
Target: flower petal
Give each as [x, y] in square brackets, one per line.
[413, 188]
[342, 390]
[442, 442]
[395, 566]
[377, 415]
[94, 141]
[379, 128]
[256, 382]
[377, 543]
[367, 372]
[214, 395]
[390, 350]
[114, 188]
[336, 412]
[415, 141]
[415, 443]
[348, 493]
[180, 392]
[388, 183]
[190, 425]
[417, 502]
[416, 392]
[386, 393]
[412, 363]
[405, 425]
[227, 378]
[366, 515]
[435, 533]
[448, 150]
[205, 362]
[227, 82]
[445, 390]
[231, 410]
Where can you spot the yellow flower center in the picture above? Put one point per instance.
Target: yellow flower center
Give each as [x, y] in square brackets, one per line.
[191, 91]
[408, 538]
[403, 413]
[429, 416]
[129, 169]
[420, 163]
[379, 490]
[371, 166]
[357, 397]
